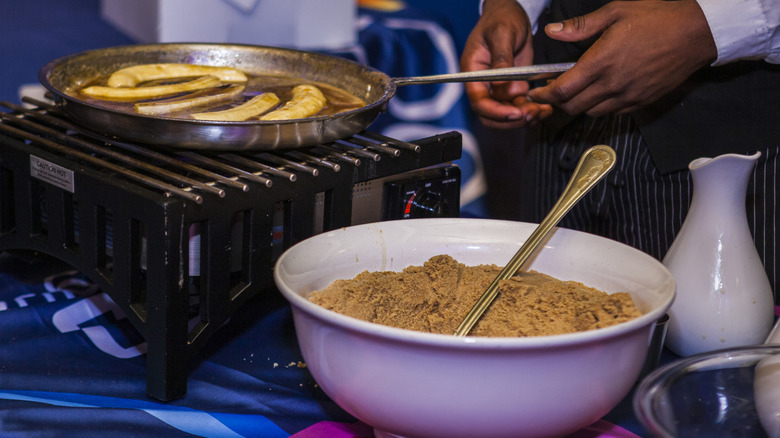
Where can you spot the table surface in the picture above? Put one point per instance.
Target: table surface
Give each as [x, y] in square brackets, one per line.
[71, 361]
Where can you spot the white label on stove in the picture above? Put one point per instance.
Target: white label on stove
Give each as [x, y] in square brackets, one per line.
[52, 173]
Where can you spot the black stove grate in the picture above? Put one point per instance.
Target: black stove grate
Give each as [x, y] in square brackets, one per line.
[156, 228]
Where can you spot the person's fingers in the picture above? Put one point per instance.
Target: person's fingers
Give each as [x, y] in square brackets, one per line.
[644, 49]
[501, 38]
[516, 113]
[581, 27]
[501, 45]
[532, 112]
[576, 81]
[570, 85]
[483, 102]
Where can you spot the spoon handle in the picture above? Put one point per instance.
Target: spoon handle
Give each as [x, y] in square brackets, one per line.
[594, 164]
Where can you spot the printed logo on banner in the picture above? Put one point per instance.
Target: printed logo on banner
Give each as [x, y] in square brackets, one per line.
[96, 316]
[433, 52]
[60, 287]
[71, 283]
[93, 316]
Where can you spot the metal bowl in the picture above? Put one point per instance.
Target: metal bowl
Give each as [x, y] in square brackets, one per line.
[64, 75]
[713, 395]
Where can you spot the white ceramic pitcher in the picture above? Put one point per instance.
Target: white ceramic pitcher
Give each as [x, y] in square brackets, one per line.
[724, 298]
[766, 388]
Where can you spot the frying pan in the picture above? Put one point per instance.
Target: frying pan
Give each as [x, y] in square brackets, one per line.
[67, 74]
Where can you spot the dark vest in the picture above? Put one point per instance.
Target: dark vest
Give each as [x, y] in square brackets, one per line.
[729, 109]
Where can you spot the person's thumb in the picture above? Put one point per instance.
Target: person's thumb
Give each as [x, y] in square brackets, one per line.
[578, 28]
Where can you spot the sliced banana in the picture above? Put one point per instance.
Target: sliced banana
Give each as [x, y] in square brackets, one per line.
[137, 93]
[251, 108]
[307, 100]
[181, 104]
[132, 76]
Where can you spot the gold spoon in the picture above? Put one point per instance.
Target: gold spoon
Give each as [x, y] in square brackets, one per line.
[594, 164]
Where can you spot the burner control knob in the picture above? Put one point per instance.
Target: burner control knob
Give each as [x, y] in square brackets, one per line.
[424, 193]
[423, 203]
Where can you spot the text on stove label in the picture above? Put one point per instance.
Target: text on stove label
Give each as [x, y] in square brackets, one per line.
[52, 173]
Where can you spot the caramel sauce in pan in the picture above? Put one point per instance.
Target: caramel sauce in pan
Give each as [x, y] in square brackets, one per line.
[338, 100]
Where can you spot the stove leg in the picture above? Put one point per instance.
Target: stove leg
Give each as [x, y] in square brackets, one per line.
[166, 376]
[166, 325]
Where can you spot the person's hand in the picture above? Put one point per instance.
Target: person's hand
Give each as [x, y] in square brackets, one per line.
[646, 49]
[501, 38]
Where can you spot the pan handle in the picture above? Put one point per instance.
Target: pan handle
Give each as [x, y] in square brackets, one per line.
[525, 73]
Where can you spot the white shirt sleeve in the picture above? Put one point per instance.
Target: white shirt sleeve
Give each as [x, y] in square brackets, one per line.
[533, 8]
[745, 29]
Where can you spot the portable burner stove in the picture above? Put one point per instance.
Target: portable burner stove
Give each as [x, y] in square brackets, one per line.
[152, 227]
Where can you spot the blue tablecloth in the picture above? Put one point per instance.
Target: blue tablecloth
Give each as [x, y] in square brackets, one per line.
[70, 364]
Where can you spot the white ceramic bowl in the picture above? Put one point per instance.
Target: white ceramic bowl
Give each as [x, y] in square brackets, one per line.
[415, 384]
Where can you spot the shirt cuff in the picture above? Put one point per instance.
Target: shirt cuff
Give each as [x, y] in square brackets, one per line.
[532, 8]
[746, 29]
